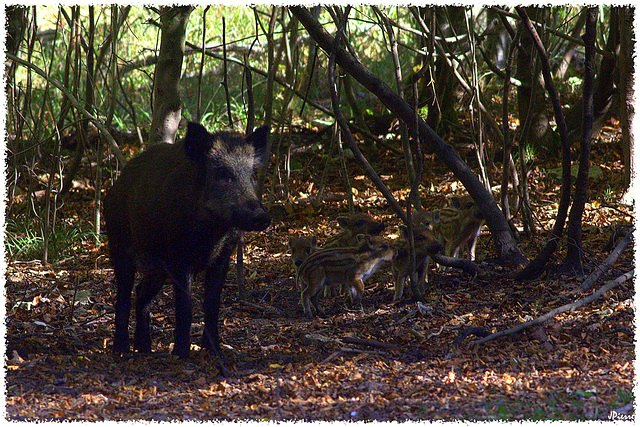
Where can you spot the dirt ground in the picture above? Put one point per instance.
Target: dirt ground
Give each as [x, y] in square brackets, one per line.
[386, 362]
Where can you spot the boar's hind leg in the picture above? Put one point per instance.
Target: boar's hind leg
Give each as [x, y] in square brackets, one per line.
[398, 280]
[315, 299]
[148, 288]
[125, 270]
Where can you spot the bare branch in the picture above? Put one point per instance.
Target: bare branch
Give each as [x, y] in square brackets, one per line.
[75, 102]
[567, 307]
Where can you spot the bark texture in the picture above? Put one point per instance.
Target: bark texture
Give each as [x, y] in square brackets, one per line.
[167, 104]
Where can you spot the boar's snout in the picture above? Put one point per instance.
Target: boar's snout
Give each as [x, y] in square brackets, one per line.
[378, 229]
[260, 221]
[435, 247]
[253, 217]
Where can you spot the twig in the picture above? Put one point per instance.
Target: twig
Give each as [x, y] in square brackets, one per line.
[567, 307]
[75, 102]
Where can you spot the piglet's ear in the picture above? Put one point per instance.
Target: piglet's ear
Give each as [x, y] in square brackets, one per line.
[258, 138]
[197, 141]
[343, 221]
[456, 202]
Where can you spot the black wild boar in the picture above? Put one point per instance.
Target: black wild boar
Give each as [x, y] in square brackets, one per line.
[176, 210]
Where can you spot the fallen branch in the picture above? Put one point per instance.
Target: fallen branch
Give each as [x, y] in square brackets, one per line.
[357, 350]
[567, 307]
[266, 308]
[503, 239]
[370, 343]
[467, 266]
[331, 357]
[599, 271]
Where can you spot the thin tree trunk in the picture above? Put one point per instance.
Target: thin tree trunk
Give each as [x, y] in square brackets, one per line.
[536, 267]
[404, 131]
[225, 80]
[574, 227]
[627, 79]
[51, 208]
[504, 185]
[268, 103]
[201, 66]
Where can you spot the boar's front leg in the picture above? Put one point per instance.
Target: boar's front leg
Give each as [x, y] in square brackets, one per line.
[213, 282]
[146, 290]
[183, 306]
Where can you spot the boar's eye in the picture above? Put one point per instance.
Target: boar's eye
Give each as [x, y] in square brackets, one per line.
[222, 174]
[360, 223]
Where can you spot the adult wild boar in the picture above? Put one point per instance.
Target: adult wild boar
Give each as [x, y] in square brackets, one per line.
[175, 210]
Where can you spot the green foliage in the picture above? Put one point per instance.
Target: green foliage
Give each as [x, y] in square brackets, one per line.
[24, 241]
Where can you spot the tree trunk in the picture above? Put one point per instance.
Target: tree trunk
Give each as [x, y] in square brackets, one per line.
[531, 94]
[627, 78]
[574, 227]
[16, 25]
[604, 103]
[167, 104]
[536, 267]
[506, 246]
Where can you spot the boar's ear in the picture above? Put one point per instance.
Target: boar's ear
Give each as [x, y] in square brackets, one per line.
[400, 252]
[403, 229]
[369, 240]
[197, 141]
[259, 140]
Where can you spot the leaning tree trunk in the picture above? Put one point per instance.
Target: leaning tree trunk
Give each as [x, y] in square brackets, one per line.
[167, 104]
[503, 239]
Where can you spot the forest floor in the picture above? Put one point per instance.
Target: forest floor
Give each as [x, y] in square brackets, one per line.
[579, 365]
